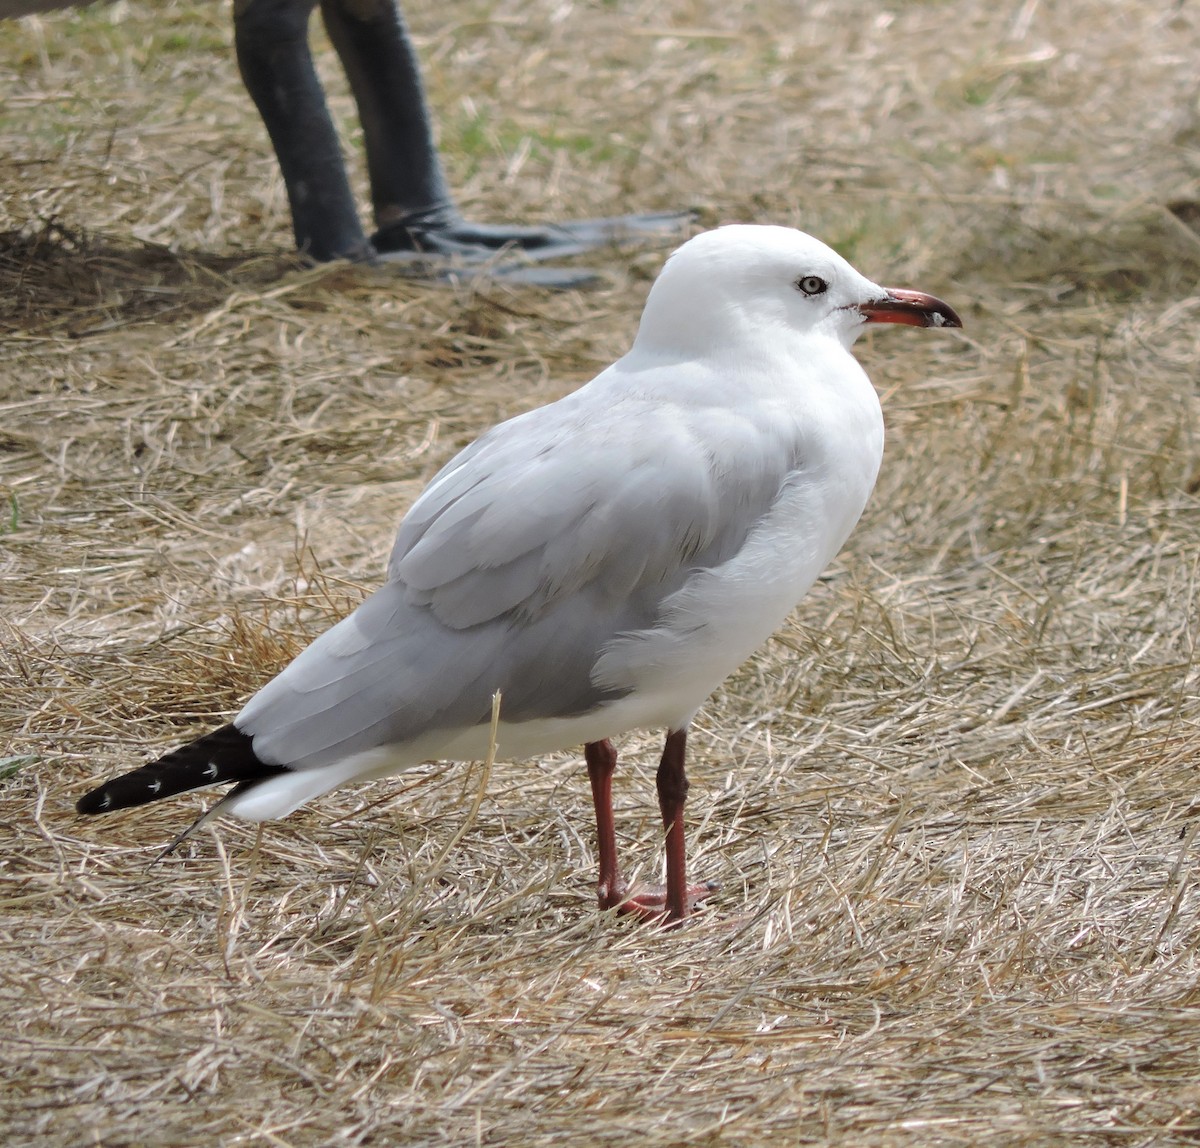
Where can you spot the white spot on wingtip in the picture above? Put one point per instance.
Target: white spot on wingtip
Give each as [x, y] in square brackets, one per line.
[155, 786]
[211, 771]
[106, 801]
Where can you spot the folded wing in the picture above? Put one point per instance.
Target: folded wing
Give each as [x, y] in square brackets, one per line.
[548, 538]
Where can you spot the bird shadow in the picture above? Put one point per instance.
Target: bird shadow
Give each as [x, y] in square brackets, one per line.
[55, 280]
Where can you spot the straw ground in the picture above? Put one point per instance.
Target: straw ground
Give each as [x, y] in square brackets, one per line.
[952, 805]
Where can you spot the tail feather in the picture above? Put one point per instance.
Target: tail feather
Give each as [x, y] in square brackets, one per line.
[225, 754]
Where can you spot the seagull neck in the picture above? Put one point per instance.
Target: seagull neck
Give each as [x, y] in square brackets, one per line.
[671, 333]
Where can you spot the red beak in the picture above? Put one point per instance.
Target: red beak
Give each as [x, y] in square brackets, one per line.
[914, 308]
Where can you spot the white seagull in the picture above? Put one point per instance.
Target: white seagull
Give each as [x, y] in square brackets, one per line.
[603, 563]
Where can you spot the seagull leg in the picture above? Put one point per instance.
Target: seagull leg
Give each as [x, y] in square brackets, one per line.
[601, 760]
[674, 901]
[681, 898]
[672, 784]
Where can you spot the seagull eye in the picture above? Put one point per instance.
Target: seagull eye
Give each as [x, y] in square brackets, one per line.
[812, 285]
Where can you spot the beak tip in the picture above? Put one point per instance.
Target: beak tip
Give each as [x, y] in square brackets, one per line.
[912, 308]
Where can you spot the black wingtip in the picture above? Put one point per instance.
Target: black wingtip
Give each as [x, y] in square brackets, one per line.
[226, 754]
[95, 801]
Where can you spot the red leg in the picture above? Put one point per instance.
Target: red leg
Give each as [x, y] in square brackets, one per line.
[653, 903]
[601, 760]
[672, 785]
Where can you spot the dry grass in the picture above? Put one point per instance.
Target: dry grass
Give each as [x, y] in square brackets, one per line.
[953, 806]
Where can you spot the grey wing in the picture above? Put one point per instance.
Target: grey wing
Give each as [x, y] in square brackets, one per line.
[618, 500]
[385, 674]
[530, 552]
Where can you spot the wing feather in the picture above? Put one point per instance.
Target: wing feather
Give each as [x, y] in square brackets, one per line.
[547, 540]
[527, 519]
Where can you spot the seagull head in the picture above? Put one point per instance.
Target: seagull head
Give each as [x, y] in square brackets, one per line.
[746, 281]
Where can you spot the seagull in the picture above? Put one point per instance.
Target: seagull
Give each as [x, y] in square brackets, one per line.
[602, 563]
